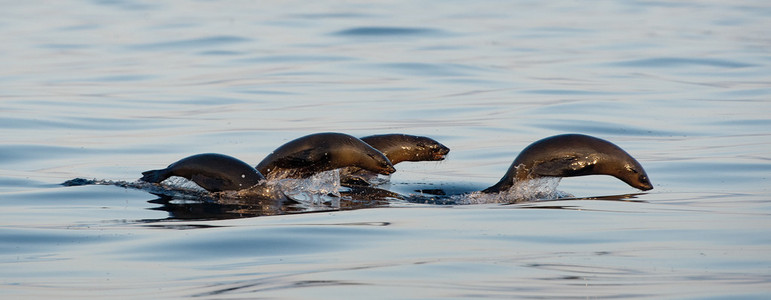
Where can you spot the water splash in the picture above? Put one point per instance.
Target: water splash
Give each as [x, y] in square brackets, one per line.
[380, 179]
[321, 189]
[373, 178]
[175, 187]
[522, 191]
[183, 183]
[356, 176]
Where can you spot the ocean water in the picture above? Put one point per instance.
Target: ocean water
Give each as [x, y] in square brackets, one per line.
[106, 89]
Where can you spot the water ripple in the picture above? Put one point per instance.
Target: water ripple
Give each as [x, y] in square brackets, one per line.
[293, 59]
[192, 43]
[426, 69]
[567, 92]
[670, 62]
[388, 31]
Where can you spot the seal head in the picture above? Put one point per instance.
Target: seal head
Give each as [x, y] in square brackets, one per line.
[308, 155]
[213, 172]
[570, 155]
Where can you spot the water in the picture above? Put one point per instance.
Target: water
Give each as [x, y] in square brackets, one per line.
[108, 89]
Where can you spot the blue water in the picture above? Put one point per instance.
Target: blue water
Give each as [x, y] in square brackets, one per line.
[108, 89]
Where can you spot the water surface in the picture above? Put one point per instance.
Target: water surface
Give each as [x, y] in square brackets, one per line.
[108, 89]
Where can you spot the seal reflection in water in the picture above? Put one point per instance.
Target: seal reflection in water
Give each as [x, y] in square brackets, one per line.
[573, 155]
[311, 154]
[398, 148]
[213, 172]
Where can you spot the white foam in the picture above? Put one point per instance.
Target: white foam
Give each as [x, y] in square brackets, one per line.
[522, 191]
[320, 189]
[183, 184]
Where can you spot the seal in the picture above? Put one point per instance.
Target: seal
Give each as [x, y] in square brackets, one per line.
[398, 148]
[308, 155]
[570, 155]
[213, 172]
[404, 147]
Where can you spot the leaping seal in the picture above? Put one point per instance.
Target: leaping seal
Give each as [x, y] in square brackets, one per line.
[570, 155]
[213, 172]
[404, 147]
[398, 148]
[308, 155]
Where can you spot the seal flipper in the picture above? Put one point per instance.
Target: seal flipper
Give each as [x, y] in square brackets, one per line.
[300, 159]
[155, 176]
[211, 184]
[564, 167]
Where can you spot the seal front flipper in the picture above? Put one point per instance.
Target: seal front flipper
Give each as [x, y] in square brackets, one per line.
[564, 167]
[300, 159]
[212, 184]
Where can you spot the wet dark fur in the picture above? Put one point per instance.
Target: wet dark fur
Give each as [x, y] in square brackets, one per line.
[398, 148]
[320, 152]
[404, 147]
[213, 172]
[573, 155]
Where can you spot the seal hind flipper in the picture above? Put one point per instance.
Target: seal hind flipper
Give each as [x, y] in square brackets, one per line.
[155, 176]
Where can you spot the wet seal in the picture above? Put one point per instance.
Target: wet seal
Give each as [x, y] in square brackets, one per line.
[571, 155]
[398, 148]
[311, 154]
[405, 147]
[213, 172]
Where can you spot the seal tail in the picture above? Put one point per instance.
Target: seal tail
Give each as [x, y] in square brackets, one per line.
[493, 189]
[154, 176]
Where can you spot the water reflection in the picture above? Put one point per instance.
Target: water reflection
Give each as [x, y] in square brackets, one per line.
[216, 210]
[183, 208]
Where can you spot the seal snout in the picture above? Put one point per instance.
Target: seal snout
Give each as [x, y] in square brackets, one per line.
[634, 175]
[388, 170]
[440, 152]
[643, 183]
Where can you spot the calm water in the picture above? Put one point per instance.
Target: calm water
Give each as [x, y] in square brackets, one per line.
[107, 89]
